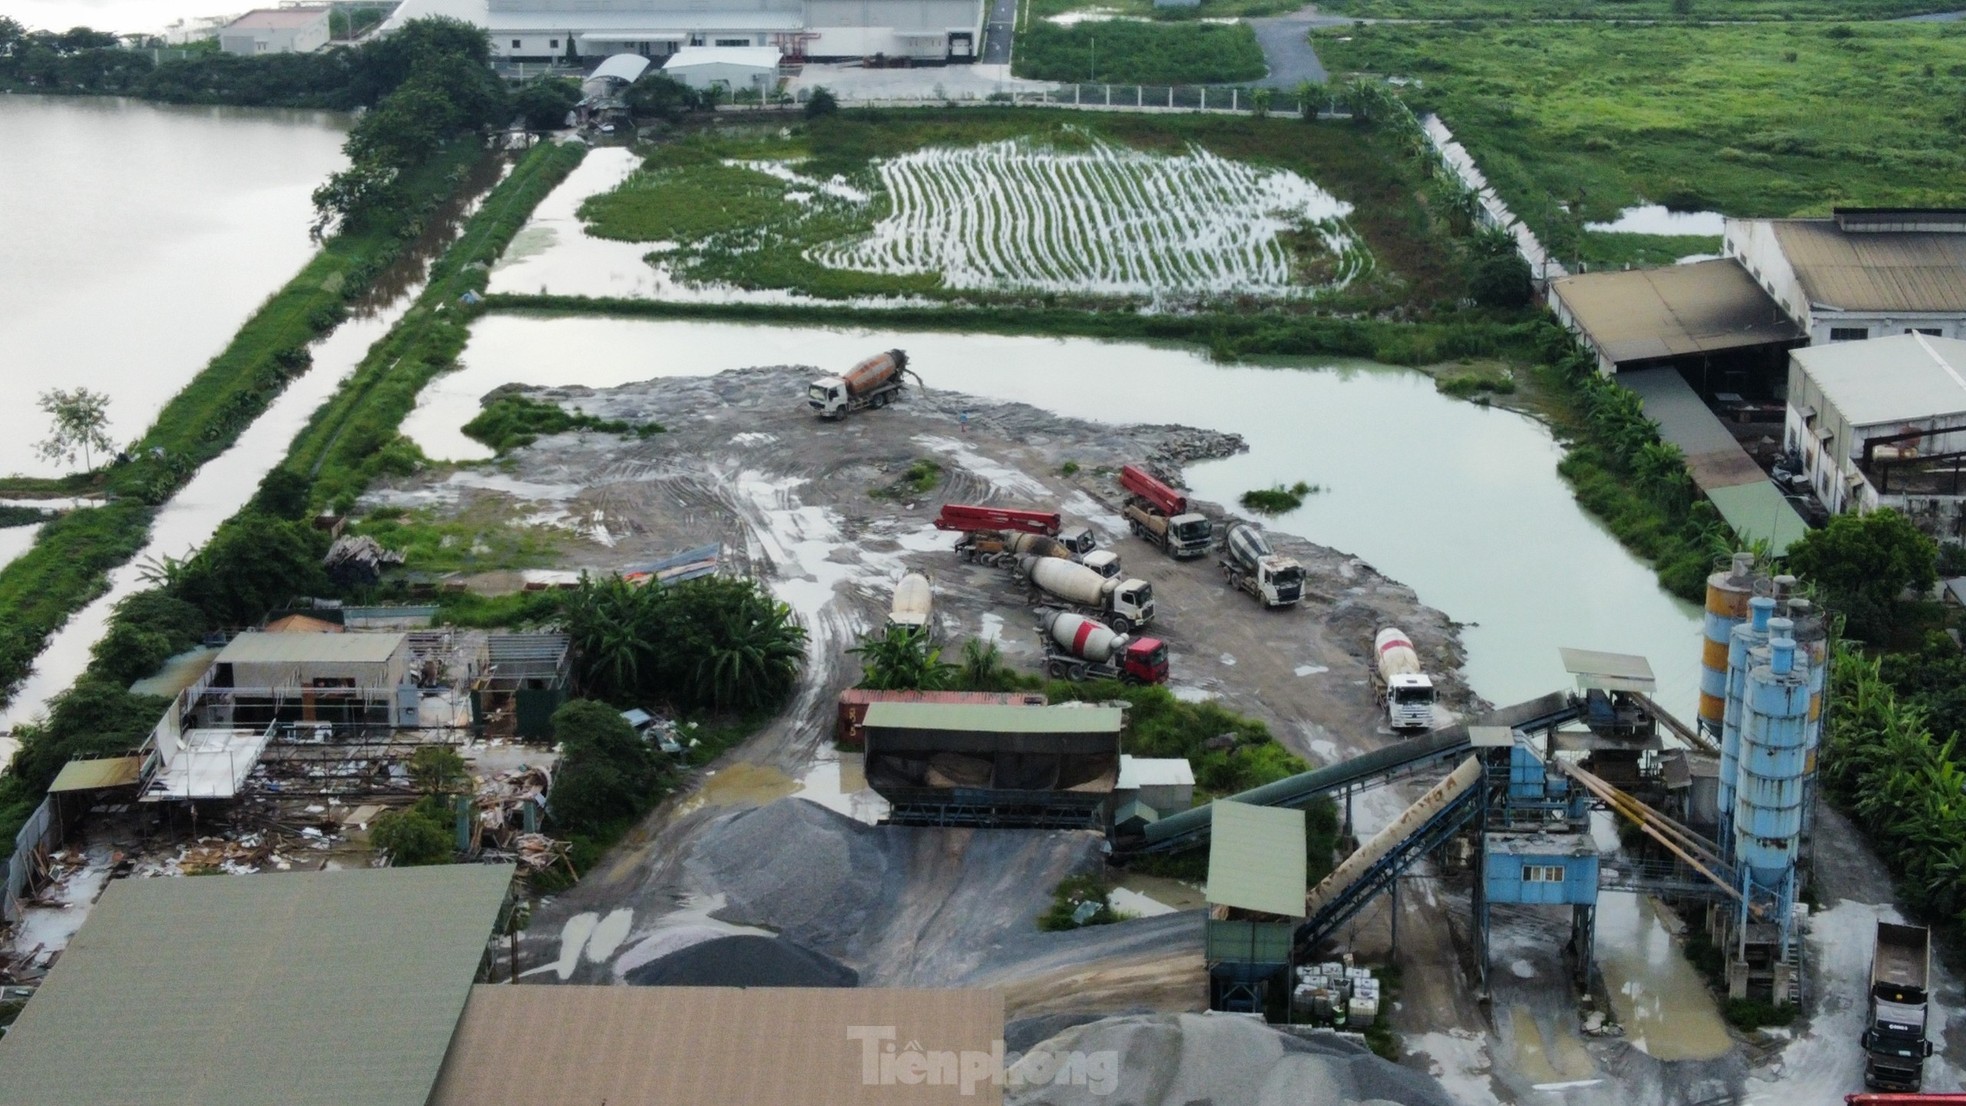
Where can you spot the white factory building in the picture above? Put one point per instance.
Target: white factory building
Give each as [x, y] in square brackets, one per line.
[276, 31]
[1862, 273]
[920, 31]
[1882, 423]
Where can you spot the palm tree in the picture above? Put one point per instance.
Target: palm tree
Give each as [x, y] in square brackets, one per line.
[983, 668]
[753, 658]
[899, 659]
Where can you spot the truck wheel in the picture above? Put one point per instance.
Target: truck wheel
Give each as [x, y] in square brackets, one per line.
[878, 401]
[1122, 624]
[1078, 672]
[1053, 669]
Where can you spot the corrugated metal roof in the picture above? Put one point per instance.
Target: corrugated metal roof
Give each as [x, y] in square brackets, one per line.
[1155, 772]
[620, 67]
[709, 1046]
[355, 648]
[991, 718]
[1740, 491]
[323, 989]
[1871, 271]
[1257, 858]
[754, 57]
[1902, 378]
[97, 774]
[273, 19]
[304, 624]
[1648, 314]
[1610, 671]
[1760, 511]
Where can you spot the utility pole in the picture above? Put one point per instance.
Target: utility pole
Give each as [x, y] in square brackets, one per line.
[1093, 76]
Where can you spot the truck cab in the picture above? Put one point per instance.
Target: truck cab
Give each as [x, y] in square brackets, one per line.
[1283, 582]
[828, 396]
[1103, 561]
[1189, 535]
[1132, 605]
[1078, 539]
[1145, 661]
[1410, 702]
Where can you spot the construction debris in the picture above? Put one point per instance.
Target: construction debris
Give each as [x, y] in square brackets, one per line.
[354, 561]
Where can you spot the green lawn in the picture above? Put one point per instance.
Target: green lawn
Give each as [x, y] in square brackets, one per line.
[737, 226]
[1728, 10]
[1133, 52]
[1573, 122]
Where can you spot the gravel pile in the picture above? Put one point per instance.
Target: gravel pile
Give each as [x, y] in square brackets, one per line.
[1182, 1059]
[744, 961]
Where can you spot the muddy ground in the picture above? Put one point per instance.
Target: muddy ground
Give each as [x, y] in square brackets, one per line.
[809, 506]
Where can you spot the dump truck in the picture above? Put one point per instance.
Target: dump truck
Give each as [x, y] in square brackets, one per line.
[1895, 1046]
[1126, 605]
[1079, 648]
[1408, 692]
[914, 606]
[871, 383]
[1160, 515]
[1249, 564]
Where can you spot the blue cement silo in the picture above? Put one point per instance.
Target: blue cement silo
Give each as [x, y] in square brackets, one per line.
[1769, 780]
[1742, 640]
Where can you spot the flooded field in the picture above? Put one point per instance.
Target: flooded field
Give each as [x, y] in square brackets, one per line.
[1461, 502]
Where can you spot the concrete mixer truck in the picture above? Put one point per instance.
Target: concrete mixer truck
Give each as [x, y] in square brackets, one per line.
[914, 606]
[1249, 564]
[1077, 648]
[1125, 604]
[1160, 515]
[1407, 692]
[871, 383]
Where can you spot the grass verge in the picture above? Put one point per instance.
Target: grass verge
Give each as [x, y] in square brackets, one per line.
[1129, 52]
[67, 566]
[353, 438]
[1612, 10]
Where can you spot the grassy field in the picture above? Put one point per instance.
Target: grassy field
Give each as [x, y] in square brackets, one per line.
[1034, 11]
[743, 227]
[1130, 52]
[1573, 122]
[1609, 10]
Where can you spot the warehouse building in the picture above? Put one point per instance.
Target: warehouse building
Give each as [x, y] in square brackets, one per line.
[323, 988]
[729, 69]
[276, 31]
[1883, 424]
[1862, 273]
[914, 31]
[1708, 319]
[961, 764]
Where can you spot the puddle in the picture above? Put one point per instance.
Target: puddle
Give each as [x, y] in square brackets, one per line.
[741, 784]
[1655, 219]
[1664, 1005]
[838, 781]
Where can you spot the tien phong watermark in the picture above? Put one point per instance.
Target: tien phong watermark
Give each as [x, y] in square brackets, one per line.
[886, 1061]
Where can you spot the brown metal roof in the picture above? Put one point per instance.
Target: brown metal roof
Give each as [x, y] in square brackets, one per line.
[709, 1046]
[1649, 314]
[1872, 271]
[98, 775]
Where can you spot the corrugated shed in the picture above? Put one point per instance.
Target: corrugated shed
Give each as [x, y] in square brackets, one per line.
[329, 988]
[264, 648]
[715, 1046]
[1903, 378]
[1257, 858]
[1649, 314]
[1870, 271]
[97, 774]
[991, 718]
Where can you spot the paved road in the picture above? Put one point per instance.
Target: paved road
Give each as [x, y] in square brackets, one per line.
[996, 33]
[1286, 44]
[1934, 17]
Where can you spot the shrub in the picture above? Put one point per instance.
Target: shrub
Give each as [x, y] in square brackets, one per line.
[1070, 896]
[1279, 499]
[512, 421]
[607, 773]
[1502, 281]
[822, 102]
[415, 837]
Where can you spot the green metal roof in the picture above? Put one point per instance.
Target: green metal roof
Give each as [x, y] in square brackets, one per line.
[1257, 859]
[1758, 510]
[326, 988]
[97, 774]
[993, 718]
